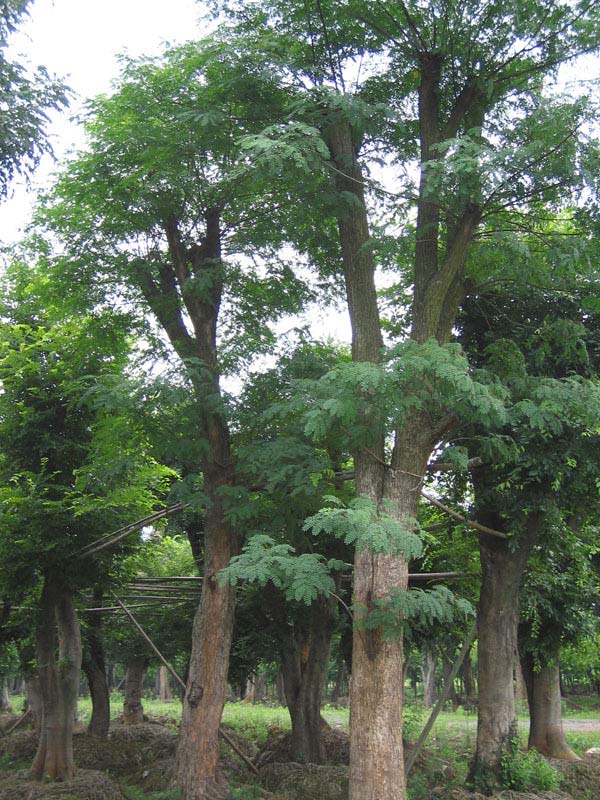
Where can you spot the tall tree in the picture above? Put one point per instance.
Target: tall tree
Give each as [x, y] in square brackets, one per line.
[159, 208]
[465, 85]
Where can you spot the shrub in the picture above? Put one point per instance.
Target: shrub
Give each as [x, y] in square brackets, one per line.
[522, 771]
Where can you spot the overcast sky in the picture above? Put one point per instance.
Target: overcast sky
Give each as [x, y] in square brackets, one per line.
[80, 40]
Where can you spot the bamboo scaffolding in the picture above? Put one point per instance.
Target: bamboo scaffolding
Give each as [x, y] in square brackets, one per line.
[157, 652]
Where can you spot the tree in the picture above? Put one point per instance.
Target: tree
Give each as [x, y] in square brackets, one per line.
[524, 488]
[160, 206]
[53, 450]
[466, 92]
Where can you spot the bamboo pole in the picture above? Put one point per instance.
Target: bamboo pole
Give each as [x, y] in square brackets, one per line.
[17, 724]
[461, 518]
[163, 660]
[418, 746]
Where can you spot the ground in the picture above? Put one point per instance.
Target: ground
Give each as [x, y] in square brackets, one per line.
[136, 763]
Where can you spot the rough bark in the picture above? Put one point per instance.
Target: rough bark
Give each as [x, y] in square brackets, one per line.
[34, 700]
[133, 708]
[428, 675]
[164, 688]
[304, 662]
[546, 733]
[5, 706]
[59, 682]
[502, 565]
[94, 667]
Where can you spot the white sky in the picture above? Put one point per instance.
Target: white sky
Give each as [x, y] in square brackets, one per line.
[79, 40]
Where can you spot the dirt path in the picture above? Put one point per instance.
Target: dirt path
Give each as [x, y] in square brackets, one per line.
[575, 725]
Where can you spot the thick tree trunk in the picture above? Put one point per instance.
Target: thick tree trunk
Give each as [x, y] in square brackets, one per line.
[59, 683]
[376, 749]
[198, 753]
[133, 708]
[546, 733]
[94, 667]
[304, 667]
[502, 564]
[5, 706]
[428, 675]
[164, 688]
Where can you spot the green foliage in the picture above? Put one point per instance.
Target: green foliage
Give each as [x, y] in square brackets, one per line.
[363, 526]
[359, 400]
[523, 771]
[301, 577]
[420, 607]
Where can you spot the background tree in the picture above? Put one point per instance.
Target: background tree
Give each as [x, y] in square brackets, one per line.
[160, 206]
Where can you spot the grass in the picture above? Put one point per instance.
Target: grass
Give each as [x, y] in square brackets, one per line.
[452, 740]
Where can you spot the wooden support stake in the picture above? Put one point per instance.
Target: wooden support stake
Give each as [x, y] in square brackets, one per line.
[163, 660]
[418, 746]
[18, 723]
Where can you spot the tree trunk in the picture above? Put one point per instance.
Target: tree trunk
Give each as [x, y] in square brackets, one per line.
[304, 664]
[546, 733]
[520, 686]
[468, 681]
[174, 296]
[428, 674]
[164, 688]
[198, 753]
[376, 749]
[33, 693]
[59, 683]
[94, 667]
[133, 709]
[502, 564]
[451, 695]
[5, 706]
[340, 680]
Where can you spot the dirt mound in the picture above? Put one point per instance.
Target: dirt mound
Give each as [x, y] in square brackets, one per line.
[306, 781]
[19, 746]
[278, 748]
[141, 753]
[128, 751]
[86, 785]
[579, 779]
